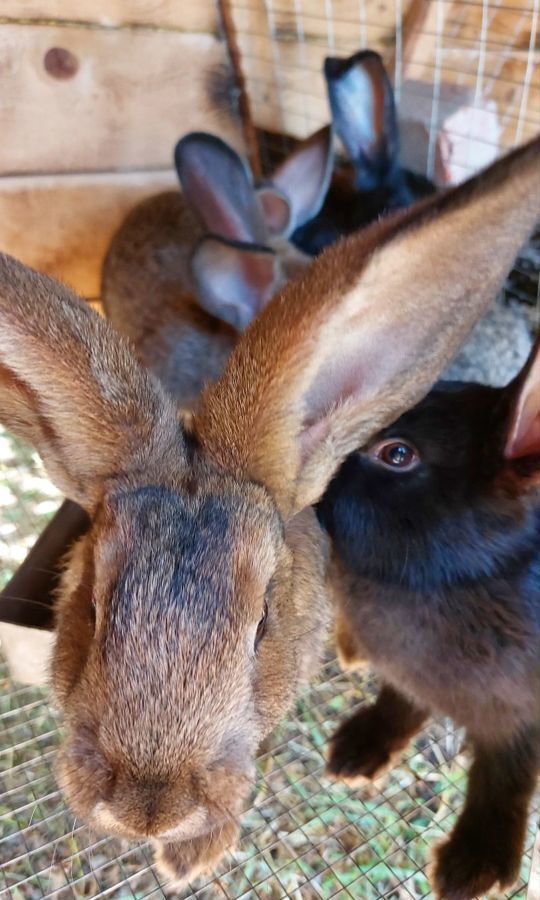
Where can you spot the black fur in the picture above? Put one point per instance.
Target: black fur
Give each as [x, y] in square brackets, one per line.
[442, 574]
[348, 208]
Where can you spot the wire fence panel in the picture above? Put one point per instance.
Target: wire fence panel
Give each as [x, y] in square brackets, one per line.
[303, 836]
[465, 72]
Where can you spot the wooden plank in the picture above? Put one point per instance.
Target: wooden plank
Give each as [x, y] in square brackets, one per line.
[200, 16]
[62, 225]
[132, 94]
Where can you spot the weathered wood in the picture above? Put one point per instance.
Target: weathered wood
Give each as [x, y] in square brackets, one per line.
[200, 16]
[244, 106]
[62, 225]
[122, 100]
[414, 21]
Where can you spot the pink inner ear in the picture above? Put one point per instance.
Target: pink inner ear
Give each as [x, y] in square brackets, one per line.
[218, 216]
[277, 212]
[524, 439]
[524, 435]
[304, 177]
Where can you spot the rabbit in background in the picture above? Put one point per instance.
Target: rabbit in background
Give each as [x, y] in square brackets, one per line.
[375, 183]
[194, 607]
[187, 272]
[435, 526]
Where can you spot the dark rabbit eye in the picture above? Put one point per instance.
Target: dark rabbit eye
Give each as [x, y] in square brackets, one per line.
[261, 627]
[93, 611]
[396, 454]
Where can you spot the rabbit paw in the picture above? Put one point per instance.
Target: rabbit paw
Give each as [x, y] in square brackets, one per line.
[470, 863]
[183, 861]
[359, 750]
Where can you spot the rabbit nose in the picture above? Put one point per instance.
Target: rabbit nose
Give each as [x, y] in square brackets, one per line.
[150, 809]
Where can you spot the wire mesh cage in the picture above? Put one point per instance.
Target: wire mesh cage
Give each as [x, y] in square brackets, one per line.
[303, 835]
[463, 72]
[465, 76]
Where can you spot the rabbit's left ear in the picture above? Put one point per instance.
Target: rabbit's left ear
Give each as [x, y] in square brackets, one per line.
[524, 432]
[364, 114]
[218, 186]
[296, 190]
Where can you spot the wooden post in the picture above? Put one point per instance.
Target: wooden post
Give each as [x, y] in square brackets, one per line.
[412, 23]
[250, 135]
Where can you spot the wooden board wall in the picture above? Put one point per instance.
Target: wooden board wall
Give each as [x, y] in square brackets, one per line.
[487, 55]
[93, 96]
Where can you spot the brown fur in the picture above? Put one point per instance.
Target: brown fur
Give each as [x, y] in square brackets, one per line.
[148, 294]
[164, 695]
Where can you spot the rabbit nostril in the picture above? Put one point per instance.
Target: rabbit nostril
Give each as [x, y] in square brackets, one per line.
[143, 809]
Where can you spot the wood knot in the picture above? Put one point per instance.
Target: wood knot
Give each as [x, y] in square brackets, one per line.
[60, 63]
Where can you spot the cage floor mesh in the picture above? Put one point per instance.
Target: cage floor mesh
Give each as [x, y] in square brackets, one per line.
[303, 836]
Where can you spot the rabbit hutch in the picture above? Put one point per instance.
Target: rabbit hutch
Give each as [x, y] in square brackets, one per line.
[94, 95]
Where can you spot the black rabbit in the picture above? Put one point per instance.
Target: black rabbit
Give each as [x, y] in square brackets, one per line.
[436, 531]
[364, 117]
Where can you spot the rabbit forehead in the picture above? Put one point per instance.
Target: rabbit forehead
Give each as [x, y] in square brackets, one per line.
[197, 558]
[179, 582]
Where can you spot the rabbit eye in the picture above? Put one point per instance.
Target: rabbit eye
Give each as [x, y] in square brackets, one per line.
[261, 627]
[396, 454]
[92, 611]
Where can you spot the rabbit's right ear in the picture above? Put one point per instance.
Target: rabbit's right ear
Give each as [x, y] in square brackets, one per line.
[297, 188]
[524, 431]
[364, 114]
[218, 186]
[233, 281]
[70, 385]
[342, 351]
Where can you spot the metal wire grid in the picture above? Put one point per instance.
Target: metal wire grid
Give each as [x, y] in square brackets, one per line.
[303, 836]
[488, 47]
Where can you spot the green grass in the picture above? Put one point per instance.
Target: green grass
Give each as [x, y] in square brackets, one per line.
[27, 501]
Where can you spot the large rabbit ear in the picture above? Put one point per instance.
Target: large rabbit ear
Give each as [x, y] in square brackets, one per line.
[361, 337]
[296, 190]
[524, 426]
[364, 114]
[71, 387]
[233, 281]
[218, 186]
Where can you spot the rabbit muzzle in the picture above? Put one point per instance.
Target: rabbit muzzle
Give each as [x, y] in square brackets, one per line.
[181, 805]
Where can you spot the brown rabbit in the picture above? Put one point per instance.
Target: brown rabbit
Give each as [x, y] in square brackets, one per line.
[187, 272]
[194, 607]
[182, 295]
